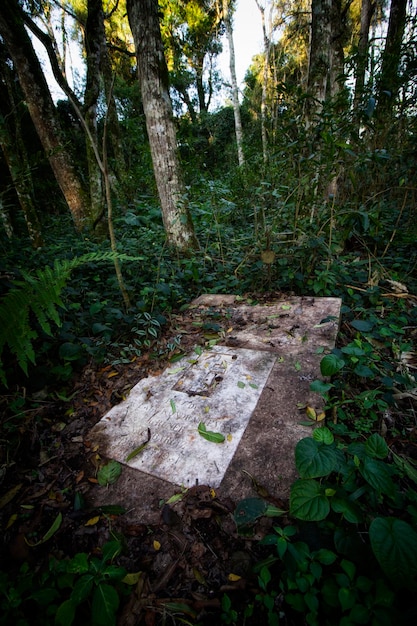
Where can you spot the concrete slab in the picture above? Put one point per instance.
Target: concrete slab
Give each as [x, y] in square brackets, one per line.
[219, 388]
[252, 388]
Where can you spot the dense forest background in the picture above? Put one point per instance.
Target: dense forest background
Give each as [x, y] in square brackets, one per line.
[136, 191]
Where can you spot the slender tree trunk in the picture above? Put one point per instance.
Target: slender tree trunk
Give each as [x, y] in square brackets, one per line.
[41, 107]
[153, 79]
[389, 82]
[265, 75]
[91, 96]
[367, 11]
[235, 89]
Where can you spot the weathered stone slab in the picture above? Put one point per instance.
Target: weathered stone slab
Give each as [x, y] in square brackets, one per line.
[219, 388]
[274, 351]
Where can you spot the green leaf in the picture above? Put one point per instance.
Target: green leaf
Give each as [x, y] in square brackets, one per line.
[82, 588]
[350, 510]
[364, 371]
[394, 543]
[319, 386]
[363, 326]
[308, 501]
[111, 550]
[49, 533]
[408, 469]
[78, 564]
[249, 510]
[109, 473]
[331, 364]
[376, 446]
[324, 556]
[173, 406]
[105, 604]
[241, 385]
[209, 434]
[323, 434]
[65, 613]
[314, 458]
[139, 449]
[377, 474]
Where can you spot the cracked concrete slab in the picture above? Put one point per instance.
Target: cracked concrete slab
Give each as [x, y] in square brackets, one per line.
[252, 388]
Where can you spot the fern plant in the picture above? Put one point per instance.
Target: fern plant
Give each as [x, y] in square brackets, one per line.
[39, 294]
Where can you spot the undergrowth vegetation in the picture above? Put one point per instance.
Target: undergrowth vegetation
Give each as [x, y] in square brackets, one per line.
[346, 550]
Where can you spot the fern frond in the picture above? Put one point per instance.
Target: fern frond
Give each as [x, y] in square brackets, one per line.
[40, 293]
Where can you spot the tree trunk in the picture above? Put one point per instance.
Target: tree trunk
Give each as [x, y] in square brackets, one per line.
[15, 153]
[367, 11]
[153, 79]
[319, 61]
[389, 82]
[41, 107]
[91, 96]
[267, 47]
[235, 89]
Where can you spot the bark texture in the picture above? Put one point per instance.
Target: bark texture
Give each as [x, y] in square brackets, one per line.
[235, 90]
[41, 106]
[153, 79]
[390, 80]
[367, 11]
[326, 59]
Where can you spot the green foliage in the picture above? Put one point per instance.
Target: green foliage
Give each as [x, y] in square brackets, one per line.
[340, 559]
[37, 295]
[82, 589]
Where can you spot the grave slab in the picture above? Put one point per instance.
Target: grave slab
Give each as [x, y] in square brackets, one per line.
[252, 388]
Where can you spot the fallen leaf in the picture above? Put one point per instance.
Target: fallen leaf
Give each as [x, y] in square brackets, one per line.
[156, 545]
[233, 578]
[92, 521]
[49, 533]
[209, 434]
[10, 495]
[109, 473]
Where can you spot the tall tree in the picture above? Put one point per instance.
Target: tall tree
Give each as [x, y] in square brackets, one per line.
[153, 79]
[12, 111]
[191, 32]
[267, 33]
[326, 57]
[389, 81]
[41, 107]
[227, 16]
[367, 11]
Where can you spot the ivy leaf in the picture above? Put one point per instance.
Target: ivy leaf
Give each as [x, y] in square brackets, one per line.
[319, 386]
[314, 458]
[308, 501]
[109, 473]
[209, 434]
[331, 364]
[394, 543]
[376, 473]
[362, 325]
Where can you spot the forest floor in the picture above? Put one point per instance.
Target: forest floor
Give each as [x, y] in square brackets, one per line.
[184, 565]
